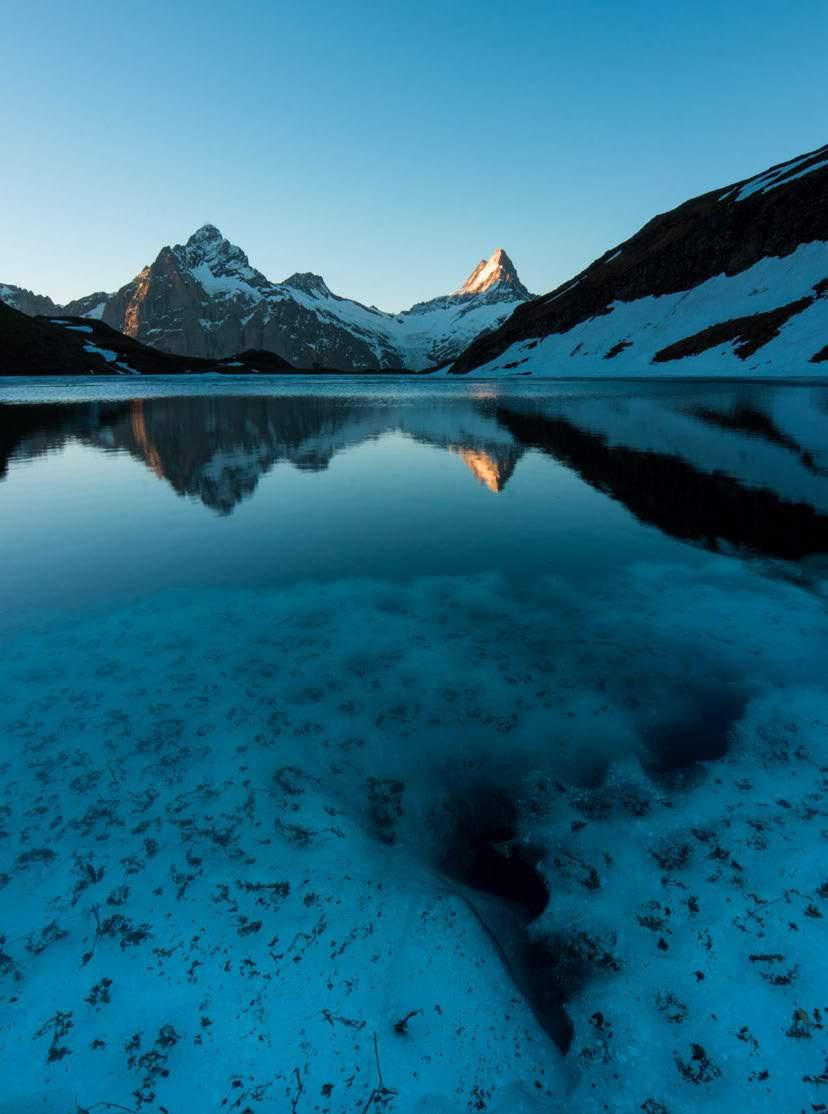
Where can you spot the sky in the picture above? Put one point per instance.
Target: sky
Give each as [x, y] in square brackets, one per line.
[387, 146]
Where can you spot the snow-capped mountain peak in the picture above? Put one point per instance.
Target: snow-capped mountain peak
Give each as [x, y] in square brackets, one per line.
[496, 271]
[203, 298]
[207, 232]
[208, 246]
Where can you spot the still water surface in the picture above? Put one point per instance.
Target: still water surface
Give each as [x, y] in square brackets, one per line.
[502, 706]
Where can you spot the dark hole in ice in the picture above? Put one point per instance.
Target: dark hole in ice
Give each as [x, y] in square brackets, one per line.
[556, 968]
[482, 852]
[700, 731]
[553, 978]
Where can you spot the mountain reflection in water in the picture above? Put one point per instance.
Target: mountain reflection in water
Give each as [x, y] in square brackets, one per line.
[739, 464]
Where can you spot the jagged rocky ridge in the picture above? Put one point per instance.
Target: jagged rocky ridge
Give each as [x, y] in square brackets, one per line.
[203, 298]
[733, 282]
[26, 301]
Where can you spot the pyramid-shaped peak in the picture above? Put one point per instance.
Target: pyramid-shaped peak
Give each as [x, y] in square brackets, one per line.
[206, 233]
[208, 246]
[496, 271]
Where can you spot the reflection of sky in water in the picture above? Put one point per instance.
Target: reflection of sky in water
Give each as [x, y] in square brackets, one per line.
[309, 750]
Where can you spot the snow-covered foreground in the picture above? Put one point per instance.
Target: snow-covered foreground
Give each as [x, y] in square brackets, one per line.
[232, 869]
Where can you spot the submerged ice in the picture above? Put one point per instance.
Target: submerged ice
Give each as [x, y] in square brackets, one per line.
[447, 844]
[436, 748]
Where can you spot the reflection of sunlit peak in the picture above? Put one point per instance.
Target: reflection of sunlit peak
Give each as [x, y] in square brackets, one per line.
[485, 467]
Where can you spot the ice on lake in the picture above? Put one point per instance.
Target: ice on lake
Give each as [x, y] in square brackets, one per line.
[414, 748]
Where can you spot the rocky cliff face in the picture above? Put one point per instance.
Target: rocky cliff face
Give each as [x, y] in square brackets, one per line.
[732, 282]
[203, 298]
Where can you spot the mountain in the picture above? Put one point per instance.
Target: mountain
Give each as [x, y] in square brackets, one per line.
[27, 302]
[203, 298]
[434, 332]
[496, 275]
[734, 282]
[83, 346]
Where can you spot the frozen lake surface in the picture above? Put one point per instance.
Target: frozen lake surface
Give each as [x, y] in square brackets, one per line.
[378, 745]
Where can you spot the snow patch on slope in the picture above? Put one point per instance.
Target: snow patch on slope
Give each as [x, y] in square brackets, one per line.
[780, 176]
[224, 285]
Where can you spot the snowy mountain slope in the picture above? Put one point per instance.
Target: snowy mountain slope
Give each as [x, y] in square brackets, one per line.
[203, 298]
[733, 282]
[432, 332]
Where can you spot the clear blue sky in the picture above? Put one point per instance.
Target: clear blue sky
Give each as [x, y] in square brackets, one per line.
[387, 146]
